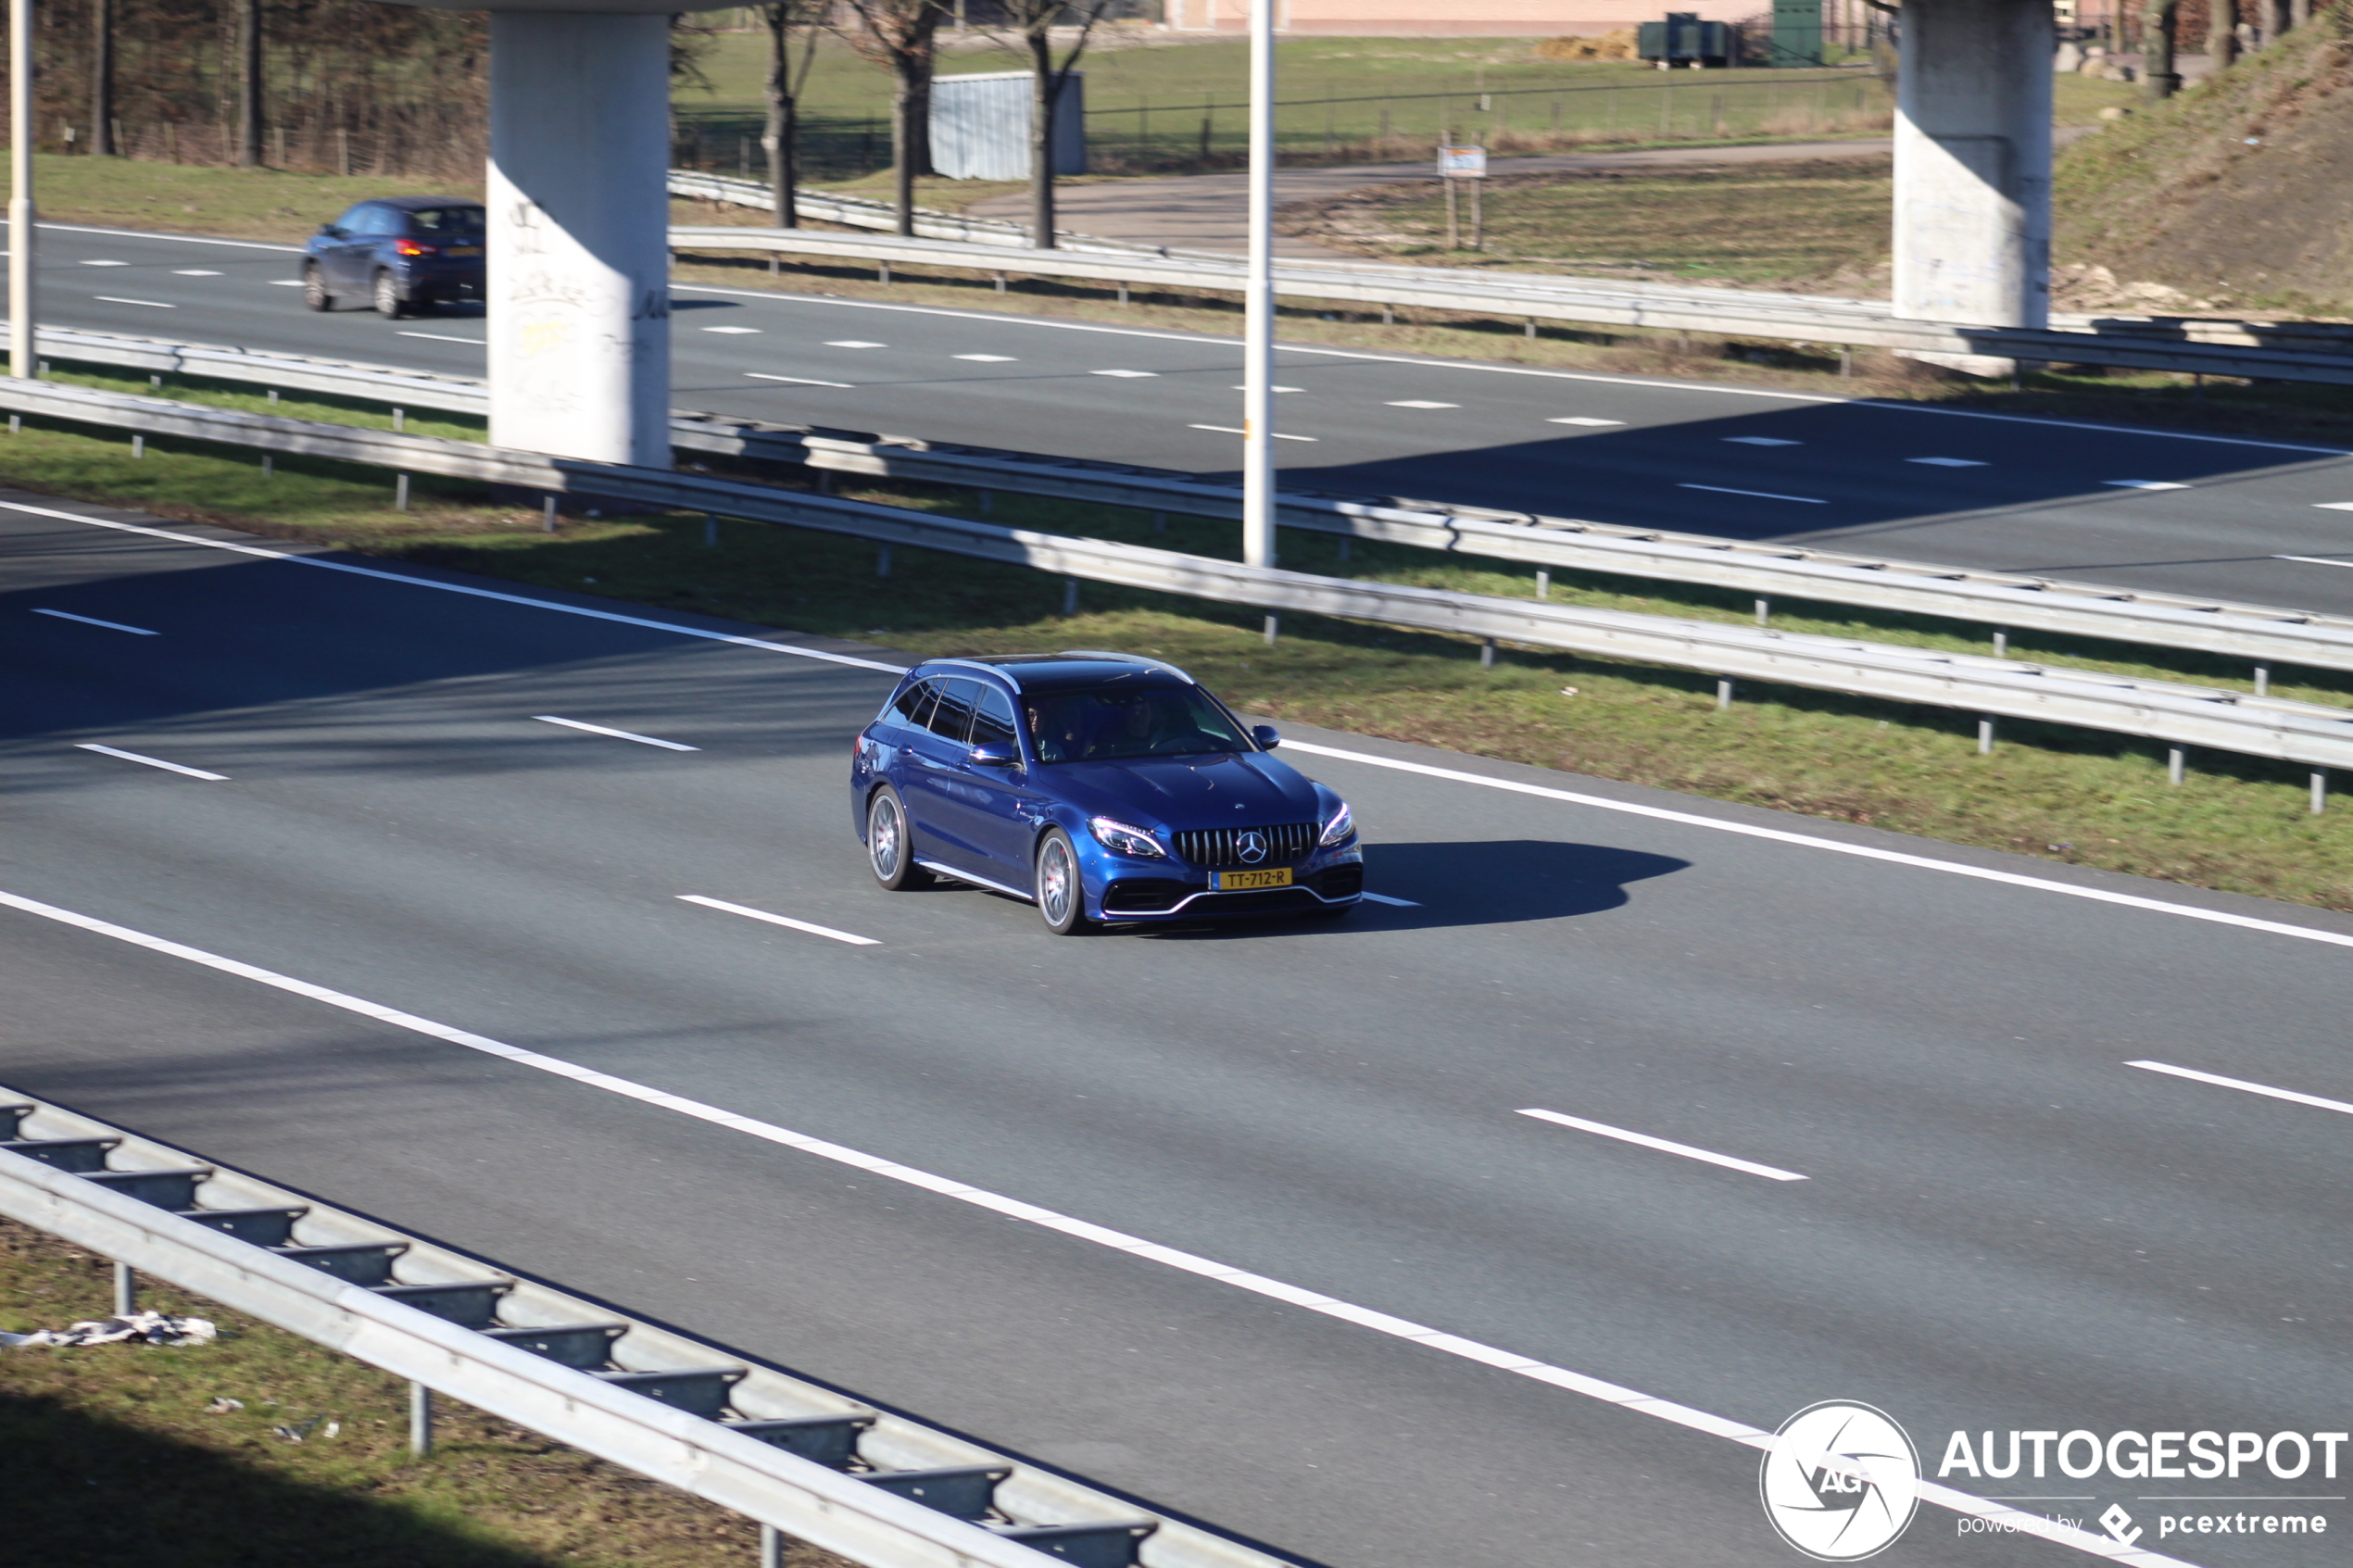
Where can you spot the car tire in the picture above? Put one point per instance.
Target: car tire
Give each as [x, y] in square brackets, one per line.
[890, 847]
[314, 288]
[386, 298]
[1061, 893]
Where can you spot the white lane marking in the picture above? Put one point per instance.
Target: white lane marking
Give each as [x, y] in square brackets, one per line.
[286, 283]
[1762, 441]
[1760, 494]
[1581, 420]
[1385, 898]
[2143, 485]
[1236, 430]
[1422, 403]
[2330, 507]
[150, 303]
[617, 734]
[1947, 462]
[1771, 1173]
[1860, 851]
[152, 761]
[1126, 375]
[193, 272]
[734, 332]
[445, 337]
[2314, 561]
[2222, 1082]
[1245, 388]
[156, 234]
[797, 381]
[855, 342]
[1048, 324]
[989, 359]
[491, 594]
[105, 263]
[94, 621]
[1083, 1230]
[809, 926]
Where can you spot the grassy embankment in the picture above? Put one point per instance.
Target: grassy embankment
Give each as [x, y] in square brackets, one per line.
[117, 1456]
[2237, 824]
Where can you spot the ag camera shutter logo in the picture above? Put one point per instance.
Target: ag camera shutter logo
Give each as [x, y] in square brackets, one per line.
[1840, 1482]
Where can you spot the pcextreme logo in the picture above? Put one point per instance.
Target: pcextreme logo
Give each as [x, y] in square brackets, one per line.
[1840, 1482]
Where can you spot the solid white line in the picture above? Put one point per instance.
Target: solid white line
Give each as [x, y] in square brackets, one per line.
[1422, 403]
[1769, 1172]
[798, 380]
[809, 926]
[2328, 506]
[1761, 494]
[1861, 851]
[2222, 1082]
[1762, 441]
[1579, 420]
[2314, 561]
[94, 621]
[1047, 1219]
[153, 762]
[158, 234]
[445, 337]
[1236, 430]
[151, 304]
[617, 734]
[490, 594]
[1385, 898]
[2143, 485]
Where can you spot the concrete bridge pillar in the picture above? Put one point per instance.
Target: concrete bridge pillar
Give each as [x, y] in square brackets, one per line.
[1973, 166]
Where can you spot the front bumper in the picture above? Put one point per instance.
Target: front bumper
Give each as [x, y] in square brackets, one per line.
[1157, 890]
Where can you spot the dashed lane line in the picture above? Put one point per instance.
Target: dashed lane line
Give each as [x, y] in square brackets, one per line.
[1602, 1129]
[811, 927]
[617, 734]
[94, 621]
[151, 761]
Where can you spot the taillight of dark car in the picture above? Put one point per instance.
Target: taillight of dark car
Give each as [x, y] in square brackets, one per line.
[415, 248]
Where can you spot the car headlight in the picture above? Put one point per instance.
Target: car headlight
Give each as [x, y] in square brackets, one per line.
[1341, 829]
[1125, 839]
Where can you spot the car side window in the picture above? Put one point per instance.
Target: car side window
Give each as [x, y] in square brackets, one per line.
[349, 222]
[915, 704]
[993, 718]
[376, 221]
[951, 719]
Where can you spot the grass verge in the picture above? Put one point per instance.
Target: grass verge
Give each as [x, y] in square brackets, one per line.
[126, 1454]
[2237, 824]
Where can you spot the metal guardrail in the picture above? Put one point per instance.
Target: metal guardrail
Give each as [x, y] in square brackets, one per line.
[2178, 714]
[2319, 352]
[752, 1439]
[2264, 636]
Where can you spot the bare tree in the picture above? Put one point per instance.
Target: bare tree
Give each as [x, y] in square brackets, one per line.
[901, 35]
[1033, 23]
[249, 84]
[102, 78]
[2221, 33]
[2160, 79]
[781, 136]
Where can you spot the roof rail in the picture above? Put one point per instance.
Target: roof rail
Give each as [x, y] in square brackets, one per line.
[1130, 658]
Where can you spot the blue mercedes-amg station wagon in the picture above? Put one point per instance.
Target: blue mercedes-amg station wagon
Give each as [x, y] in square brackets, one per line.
[1099, 786]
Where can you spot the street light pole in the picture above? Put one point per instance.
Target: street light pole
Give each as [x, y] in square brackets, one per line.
[21, 360]
[1258, 301]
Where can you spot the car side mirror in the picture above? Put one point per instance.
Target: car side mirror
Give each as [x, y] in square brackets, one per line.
[329, 232]
[1266, 736]
[993, 753]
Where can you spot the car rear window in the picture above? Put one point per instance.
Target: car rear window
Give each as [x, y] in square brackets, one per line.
[915, 703]
[953, 715]
[446, 223]
[1101, 725]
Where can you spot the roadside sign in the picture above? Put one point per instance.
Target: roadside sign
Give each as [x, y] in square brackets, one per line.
[1462, 163]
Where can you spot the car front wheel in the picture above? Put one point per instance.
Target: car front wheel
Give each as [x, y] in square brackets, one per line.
[314, 288]
[389, 304]
[1061, 899]
[888, 847]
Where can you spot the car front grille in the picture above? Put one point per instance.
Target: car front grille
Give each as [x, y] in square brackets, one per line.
[1221, 847]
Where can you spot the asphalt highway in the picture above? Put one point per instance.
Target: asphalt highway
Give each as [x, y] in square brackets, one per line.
[1887, 1143]
[2141, 508]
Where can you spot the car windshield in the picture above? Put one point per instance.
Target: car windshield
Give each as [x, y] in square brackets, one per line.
[1097, 726]
[446, 223]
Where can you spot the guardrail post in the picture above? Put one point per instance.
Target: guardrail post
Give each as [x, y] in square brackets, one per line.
[2262, 680]
[1273, 627]
[126, 1291]
[1070, 596]
[399, 420]
[1544, 577]
[400, 493]
[709, 531]
[1388, 315]
[1486, 653]
[138, 445]
[547, 513]
[771, 1547]
[1764, 612]
[1531, 326]
[882, 560]
[273, 397]
[2001, 642]
[420, 1420]
[1985, 735]
[1001, 282]
[1723, 693]
[1160, 522]
[2174, 758]
[1346, 551]
[15, 424]
[1846, 361]
[882, 274]
[154, 382]
[1123, 294]
[269, 464]
[985, 500]
[2320, 790]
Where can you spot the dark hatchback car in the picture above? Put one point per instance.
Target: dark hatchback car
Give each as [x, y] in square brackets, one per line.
[400, 254]
[1099, 786]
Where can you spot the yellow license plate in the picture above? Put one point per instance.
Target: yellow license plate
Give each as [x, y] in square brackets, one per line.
[463, 250]
[1233, 882]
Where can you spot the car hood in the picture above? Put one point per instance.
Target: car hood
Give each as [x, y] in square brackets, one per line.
[1224, 789]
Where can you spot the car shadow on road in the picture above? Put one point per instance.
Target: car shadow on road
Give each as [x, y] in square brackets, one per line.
[1489, 882]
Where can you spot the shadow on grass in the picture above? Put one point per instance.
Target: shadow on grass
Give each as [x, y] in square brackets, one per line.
[102, 1494]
